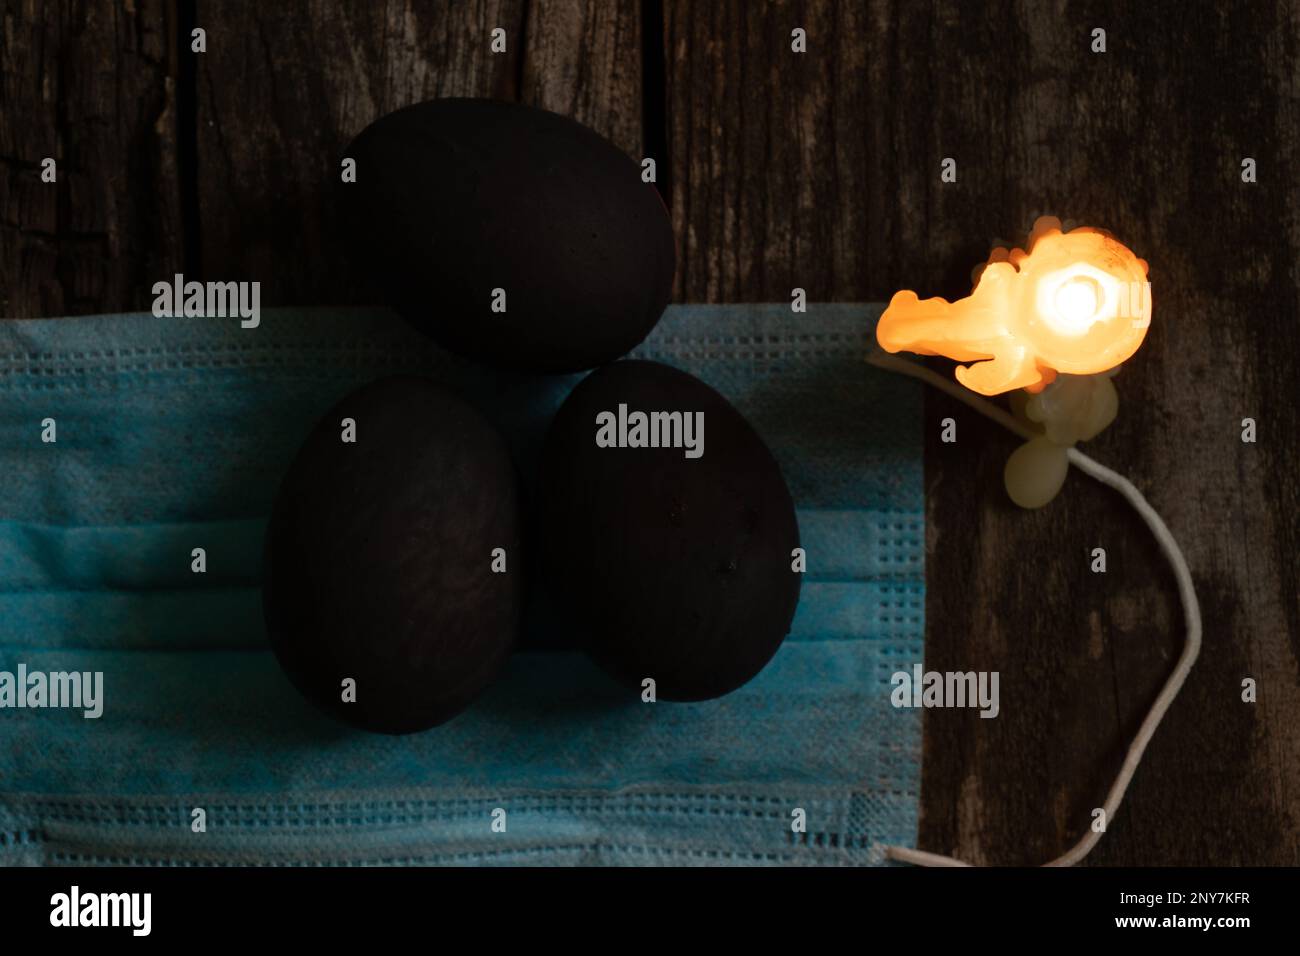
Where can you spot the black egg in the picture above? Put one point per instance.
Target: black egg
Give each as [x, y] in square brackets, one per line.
[379, 558]
[456, 199]
[669, 567]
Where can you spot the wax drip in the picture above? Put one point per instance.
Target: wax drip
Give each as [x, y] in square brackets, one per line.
[1186, 592]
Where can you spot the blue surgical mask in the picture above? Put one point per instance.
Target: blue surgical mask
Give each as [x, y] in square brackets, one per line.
[172, 434]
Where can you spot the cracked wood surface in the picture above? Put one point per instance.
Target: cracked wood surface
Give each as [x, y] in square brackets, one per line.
[821, 171]
[89, 85]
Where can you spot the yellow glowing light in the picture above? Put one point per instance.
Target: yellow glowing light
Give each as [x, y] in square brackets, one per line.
[1076, 302]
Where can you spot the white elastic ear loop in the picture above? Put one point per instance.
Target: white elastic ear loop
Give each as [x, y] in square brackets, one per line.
[1186, 593]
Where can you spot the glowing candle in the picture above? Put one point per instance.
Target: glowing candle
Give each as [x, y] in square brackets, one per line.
[1074, 302]
[1077, 303]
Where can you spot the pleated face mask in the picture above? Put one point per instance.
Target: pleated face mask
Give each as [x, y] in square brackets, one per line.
[148, 722]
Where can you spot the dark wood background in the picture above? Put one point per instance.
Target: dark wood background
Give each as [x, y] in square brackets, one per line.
[821, 171]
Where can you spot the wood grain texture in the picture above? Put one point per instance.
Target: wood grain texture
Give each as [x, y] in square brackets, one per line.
[583, 59]
[88, 84]
[284, 87]
[770, 150]
[822, 171]
[1149, 142]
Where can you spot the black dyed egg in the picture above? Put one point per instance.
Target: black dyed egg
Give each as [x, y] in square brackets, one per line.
[670, 566]
[380, 553]
[512, 235]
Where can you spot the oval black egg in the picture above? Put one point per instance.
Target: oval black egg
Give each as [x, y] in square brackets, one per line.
[670, 567]
[456, 199]
[378, 564]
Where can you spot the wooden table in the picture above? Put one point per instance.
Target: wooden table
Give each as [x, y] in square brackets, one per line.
[821, 171]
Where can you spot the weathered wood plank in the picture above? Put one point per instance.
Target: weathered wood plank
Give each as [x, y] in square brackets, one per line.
[89, 85]
[583, 58]
[1148, 141]
[771, 165]
[822, 171]
[284, 87]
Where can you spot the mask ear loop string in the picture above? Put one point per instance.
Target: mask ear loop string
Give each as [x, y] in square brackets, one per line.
[1186, 592]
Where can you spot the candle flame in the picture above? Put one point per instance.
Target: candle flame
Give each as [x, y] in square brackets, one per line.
[1076, 302]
